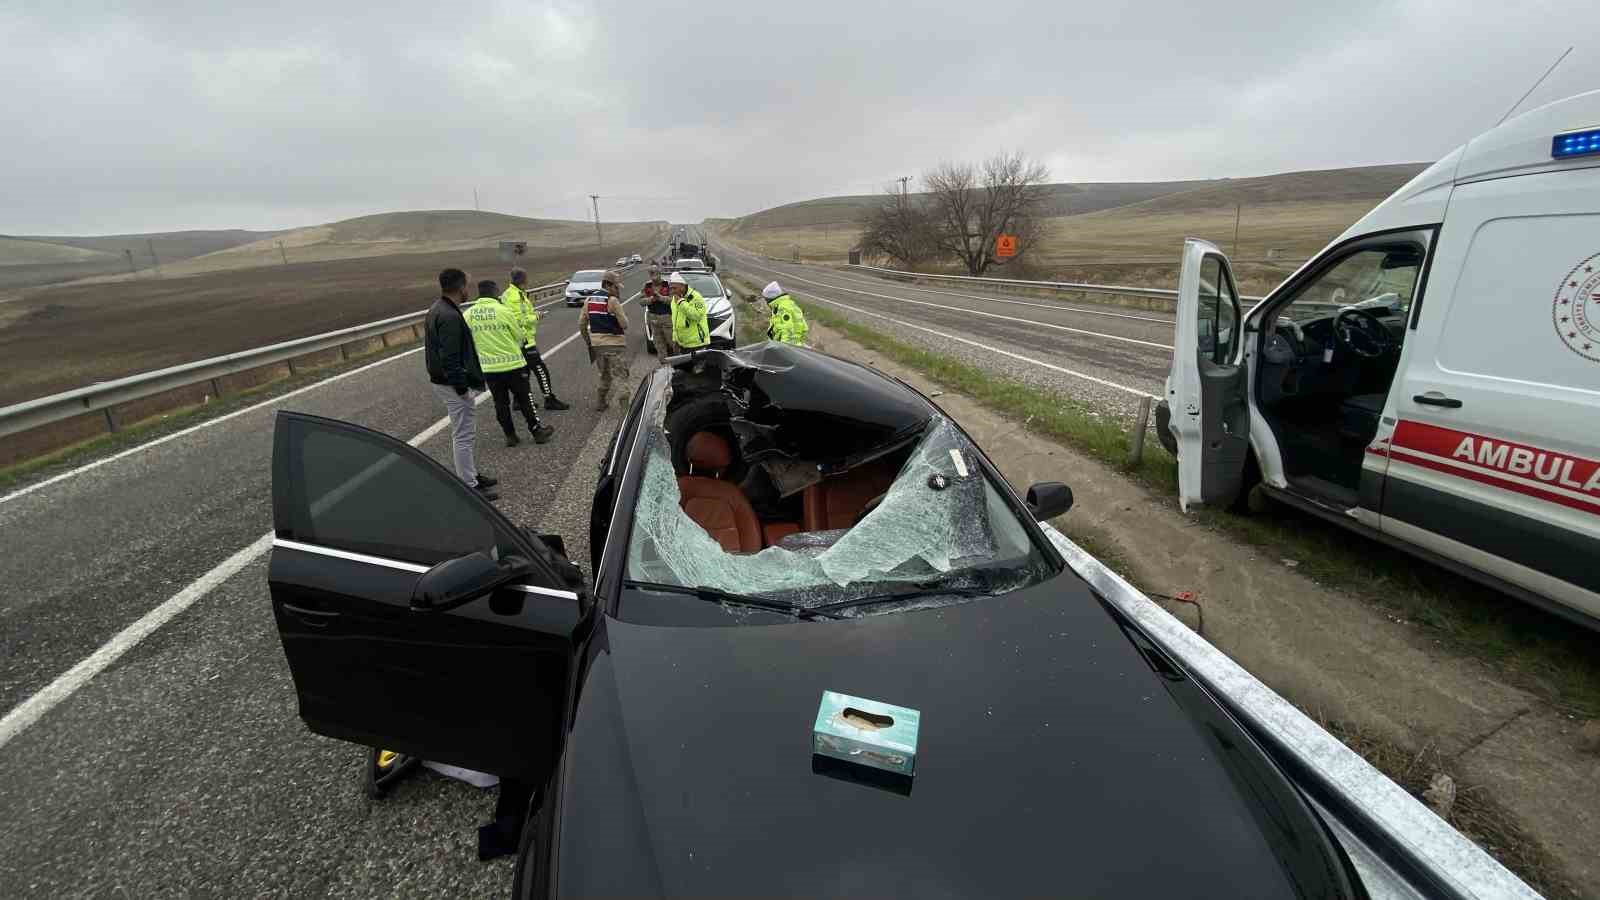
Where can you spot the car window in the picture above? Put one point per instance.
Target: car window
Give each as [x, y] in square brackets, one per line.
[1219, 312]
[942, 522]
[351, 491]
[588, 275]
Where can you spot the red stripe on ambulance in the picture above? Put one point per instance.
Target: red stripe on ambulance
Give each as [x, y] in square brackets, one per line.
[1502, 463]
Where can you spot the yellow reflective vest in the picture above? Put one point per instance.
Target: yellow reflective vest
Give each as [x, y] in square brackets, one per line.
[497, 333]
[788, 321]
[689, 328]
[522, 305]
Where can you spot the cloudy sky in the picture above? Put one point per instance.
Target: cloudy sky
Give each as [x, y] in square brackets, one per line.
[146, 115]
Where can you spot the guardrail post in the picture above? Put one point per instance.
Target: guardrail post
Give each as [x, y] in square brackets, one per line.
[1136, 437]
[216, 389]
[111, 421]
[415, 334]
[290, 361]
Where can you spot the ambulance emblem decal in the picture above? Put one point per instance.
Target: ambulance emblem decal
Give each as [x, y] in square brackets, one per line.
[1576, 311]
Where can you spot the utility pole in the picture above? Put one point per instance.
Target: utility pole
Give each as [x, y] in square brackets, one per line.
[1237, 208]
[153, 258]
[598, 238]
[282, 253]
[903, 181]
[133, 269]
[475, 204]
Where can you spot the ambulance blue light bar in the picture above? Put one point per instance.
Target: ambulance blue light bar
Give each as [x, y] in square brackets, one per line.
[1575, 143]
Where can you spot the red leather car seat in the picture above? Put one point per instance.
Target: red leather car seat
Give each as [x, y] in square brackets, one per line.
[836, 501]
[717, 506]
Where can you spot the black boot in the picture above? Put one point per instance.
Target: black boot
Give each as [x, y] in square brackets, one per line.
[553, 404]
[542, 434]
[512, 440]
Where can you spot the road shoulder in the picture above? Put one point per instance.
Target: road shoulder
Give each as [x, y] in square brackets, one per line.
[1335, 656]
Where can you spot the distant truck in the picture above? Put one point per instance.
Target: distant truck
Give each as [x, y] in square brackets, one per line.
[686, 250]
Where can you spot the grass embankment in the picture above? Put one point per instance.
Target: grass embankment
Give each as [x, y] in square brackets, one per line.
[1541, 653]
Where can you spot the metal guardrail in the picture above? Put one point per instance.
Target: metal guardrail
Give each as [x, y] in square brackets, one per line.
[105, 395]
[1366, 805]
[1121, 290]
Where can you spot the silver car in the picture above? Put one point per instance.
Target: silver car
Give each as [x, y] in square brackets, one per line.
[584, 283]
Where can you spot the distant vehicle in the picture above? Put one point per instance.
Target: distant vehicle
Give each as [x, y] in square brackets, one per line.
[1432, 378]
[719, 311]
[621, 261]
[636, 259]
[719, 306]
[690, 265]
[584, 283]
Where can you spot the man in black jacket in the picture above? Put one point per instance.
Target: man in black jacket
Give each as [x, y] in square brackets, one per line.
[457, 376]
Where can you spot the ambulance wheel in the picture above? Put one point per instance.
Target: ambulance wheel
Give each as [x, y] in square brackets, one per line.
[384, 769]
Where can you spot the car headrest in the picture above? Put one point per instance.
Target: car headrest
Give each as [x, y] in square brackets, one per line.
[708, 452]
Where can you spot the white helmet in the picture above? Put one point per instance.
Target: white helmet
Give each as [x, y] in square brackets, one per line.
[675, 278]
[771, 291]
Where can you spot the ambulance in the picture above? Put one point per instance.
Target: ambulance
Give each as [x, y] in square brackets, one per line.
[1432, 378]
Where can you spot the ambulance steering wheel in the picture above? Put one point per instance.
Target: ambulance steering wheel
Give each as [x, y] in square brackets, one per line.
[1362, 332]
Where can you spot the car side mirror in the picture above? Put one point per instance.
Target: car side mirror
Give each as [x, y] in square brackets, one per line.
[464, 579]
[1049, 499]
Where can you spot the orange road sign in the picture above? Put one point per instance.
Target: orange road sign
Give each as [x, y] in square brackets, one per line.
[1005, 246]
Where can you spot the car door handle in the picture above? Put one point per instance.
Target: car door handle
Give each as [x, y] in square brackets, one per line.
[316, 618]
[1434, 398]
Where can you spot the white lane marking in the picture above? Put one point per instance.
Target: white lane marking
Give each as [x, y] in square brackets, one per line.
[1055, 306]
[971, 312]
[29, 711]
[951, 337]
[24, 491]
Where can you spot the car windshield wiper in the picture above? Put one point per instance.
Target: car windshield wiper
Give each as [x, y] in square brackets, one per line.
[715, 595]
[933, 590]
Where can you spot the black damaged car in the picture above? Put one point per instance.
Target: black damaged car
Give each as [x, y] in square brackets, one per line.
[771, 524]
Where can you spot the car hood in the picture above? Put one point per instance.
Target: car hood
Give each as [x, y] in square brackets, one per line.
[1058, 755]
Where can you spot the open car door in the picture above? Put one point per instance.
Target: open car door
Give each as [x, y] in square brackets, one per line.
[1207, 387]
[414, 616]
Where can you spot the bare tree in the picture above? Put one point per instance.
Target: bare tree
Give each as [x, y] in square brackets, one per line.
[971, 205]
[898, 227]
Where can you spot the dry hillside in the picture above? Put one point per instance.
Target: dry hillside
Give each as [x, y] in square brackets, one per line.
[29, 252]
[1282, 220]
[33, 260]
[422, 231]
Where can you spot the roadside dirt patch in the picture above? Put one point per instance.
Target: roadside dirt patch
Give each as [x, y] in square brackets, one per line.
[64, 337]
[1337, 657]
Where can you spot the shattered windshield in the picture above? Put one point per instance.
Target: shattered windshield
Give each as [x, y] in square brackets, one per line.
[937, 533]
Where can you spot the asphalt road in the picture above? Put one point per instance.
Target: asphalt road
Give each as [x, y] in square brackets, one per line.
[1107, 355]
[182, 768]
